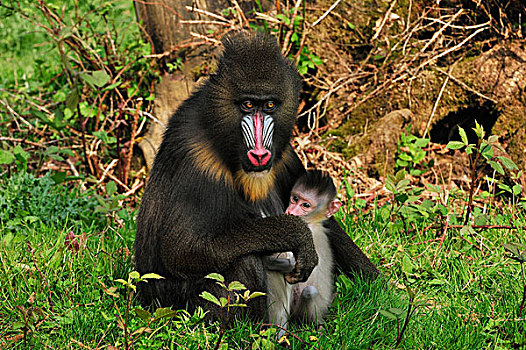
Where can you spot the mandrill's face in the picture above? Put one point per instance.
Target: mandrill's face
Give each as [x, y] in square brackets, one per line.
[257, 128]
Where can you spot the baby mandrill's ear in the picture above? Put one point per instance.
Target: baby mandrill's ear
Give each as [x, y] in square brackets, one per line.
[333, 207]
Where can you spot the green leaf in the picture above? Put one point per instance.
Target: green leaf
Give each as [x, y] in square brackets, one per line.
[481, 220]
[515, 250]
[6, 157]
[493, 139]
[164, 312]
[256, 294]
[400, 175]
[410, 293]
[143, 314]
[407, 265]
[436, 282]
[479, 130]
[223, 301]
[18, 325]
[147, 276]
[21, 154]
[59, 177]
[283, 18]
[238, 305]
[463, 135]
[235, 285]
[112, 291]
[134, 274]
[401, 198]
[72, 100]
[389, 185]
[113, 86]
[396, 311]
[316, 60]
[111, 188]
[215, 276]
[387, 314]
[517, 189]
[97, 78]
[508, 163]
[497, 167]
[421, 142]
[455, 145]
[207, 296]
[486, 151]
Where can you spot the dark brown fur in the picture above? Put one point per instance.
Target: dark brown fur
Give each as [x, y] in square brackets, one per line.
[201, 211]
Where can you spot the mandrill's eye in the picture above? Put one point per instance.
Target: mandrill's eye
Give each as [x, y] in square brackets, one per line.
[270, 106]
[247, 106]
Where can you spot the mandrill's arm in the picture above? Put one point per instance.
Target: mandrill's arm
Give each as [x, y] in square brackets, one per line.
[347, 255]
[216, 252]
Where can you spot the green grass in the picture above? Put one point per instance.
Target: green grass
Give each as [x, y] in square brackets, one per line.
[470, 296]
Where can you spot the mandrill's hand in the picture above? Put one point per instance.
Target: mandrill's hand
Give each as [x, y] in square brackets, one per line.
[306, 261]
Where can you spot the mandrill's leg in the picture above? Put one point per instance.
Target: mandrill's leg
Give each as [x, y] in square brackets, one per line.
[249, 271]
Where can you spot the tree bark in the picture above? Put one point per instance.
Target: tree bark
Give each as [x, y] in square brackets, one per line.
[161, 22]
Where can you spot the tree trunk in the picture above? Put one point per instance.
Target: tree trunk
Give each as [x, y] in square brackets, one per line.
[161, 21]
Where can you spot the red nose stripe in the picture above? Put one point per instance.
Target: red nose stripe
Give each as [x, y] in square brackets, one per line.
[258, 156]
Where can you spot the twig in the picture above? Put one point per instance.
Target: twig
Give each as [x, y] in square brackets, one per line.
[197, 21]
[442, 238]
[205, 38]
[132, 142]
[384, 20]
[451, 49]
[105, 171]
[16, 115]
[465, 86]
[31, 143]
[326, 13]
[134, 188]
[44, 279]
[241, 14]
[206, 13]
[491, 227]
[435, 105]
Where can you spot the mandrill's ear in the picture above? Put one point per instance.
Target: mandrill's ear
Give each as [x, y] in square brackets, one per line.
[333, 207]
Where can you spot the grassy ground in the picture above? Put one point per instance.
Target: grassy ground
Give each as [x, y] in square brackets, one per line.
[468, 292]
[63, 250]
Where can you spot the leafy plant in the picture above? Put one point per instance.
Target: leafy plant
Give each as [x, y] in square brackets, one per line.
[485, 148]
[411, 153]
[123, 321]
[93, 82]
[109, 204]
[399, 314]
[234, 299]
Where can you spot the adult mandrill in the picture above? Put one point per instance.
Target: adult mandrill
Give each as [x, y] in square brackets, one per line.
[223, 171]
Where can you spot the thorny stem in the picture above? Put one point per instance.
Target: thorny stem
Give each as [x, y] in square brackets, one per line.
[126, 321]
[474, 179]
[225, 320]
[410, 311]
[523, 302]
